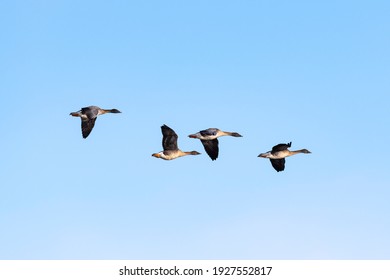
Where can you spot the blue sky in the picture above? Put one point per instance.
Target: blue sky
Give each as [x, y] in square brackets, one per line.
[314, 73]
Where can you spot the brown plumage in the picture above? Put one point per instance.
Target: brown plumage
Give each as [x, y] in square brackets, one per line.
[278, 154]
[170, 148]
[88, 117]
[209, 139]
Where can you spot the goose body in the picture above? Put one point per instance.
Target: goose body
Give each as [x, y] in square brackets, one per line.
[88, 117]
[278, 154]
[170, 148]
[209, 139]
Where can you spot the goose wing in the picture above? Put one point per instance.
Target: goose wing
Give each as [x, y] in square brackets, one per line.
[280, 147]
[90, 112]
[209, 132]
[278, 164]
[211, 148]
[87, 126]
[169, 141]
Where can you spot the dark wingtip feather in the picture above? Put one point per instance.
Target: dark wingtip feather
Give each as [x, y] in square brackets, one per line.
[278, 164]
[211, 148]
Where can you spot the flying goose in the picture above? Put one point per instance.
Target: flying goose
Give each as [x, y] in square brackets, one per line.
[208, 137]
[279, 153]
[88, 117]
[169, 143]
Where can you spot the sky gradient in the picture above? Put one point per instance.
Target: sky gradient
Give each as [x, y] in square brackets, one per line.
[314, 73]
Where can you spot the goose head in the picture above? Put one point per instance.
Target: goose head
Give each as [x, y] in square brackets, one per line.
[264, 155]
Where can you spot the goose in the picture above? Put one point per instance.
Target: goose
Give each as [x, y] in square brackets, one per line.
[169, 143]
[278, 154]
[208, 137]
[88, 117]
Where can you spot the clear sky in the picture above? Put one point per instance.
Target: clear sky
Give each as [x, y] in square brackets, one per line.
[312, 72]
